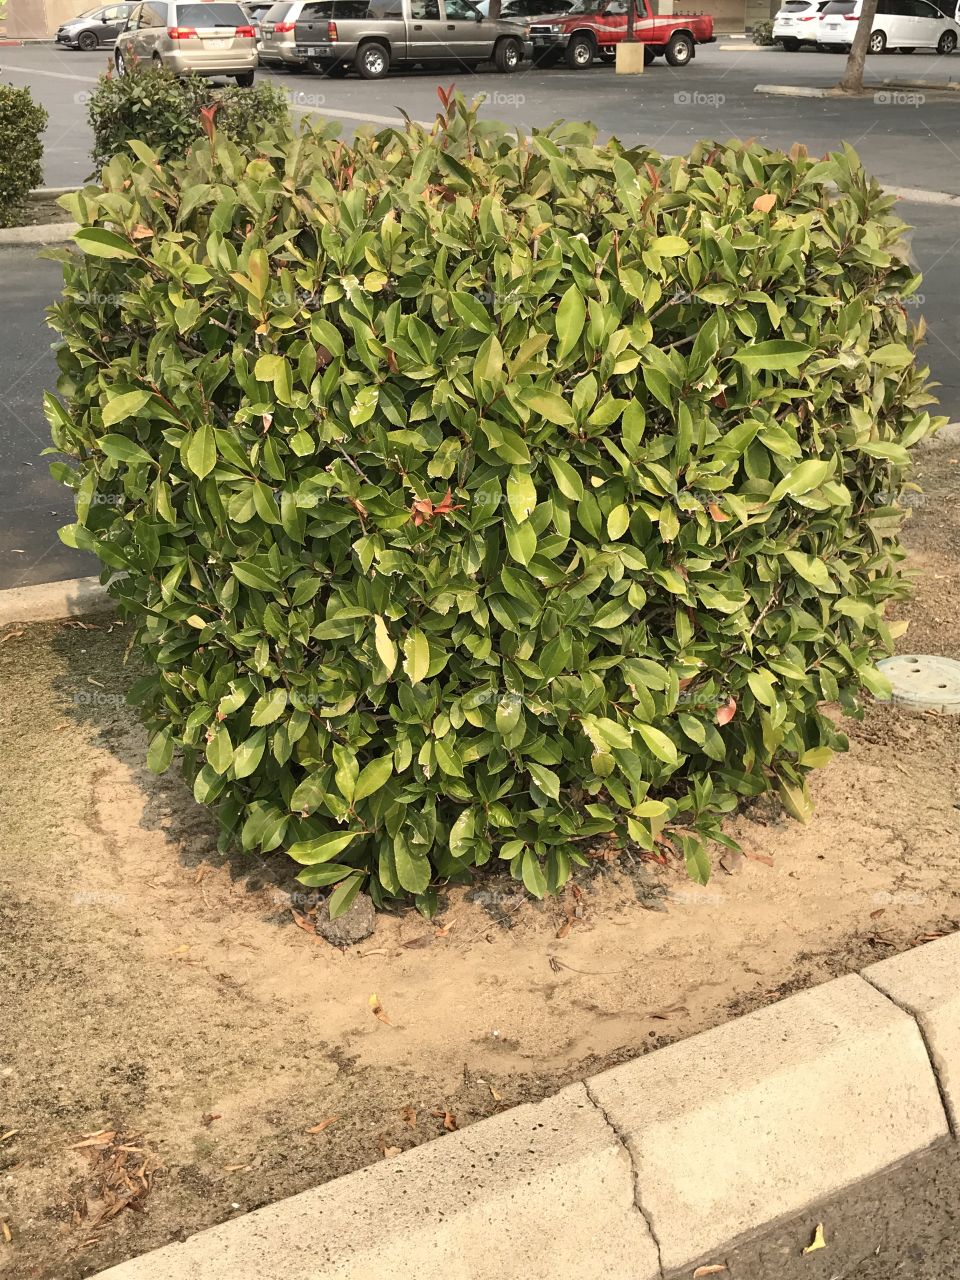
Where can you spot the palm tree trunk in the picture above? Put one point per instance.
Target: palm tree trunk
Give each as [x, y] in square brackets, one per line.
[852, 81]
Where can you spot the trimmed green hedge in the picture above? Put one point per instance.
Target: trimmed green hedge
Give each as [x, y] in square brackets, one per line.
[22, 122]
[476, 497]
[150, 104]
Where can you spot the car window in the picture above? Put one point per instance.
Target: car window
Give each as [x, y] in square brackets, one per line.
[925, 10]
[424, 9]
[796, 6]
[460, 9]
[841, 6]
[210, 15]
[134, 18]
[153, 16]
[612, 8]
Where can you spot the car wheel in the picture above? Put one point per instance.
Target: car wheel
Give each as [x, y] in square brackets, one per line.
[156, 61]
[608, 56]
[947, 42]
[649, 55]
[87, 40]
[878, 42]
[373, 60]
[791, 46]
[679, 50]
[120, 63]
[581, 52]
[508, 55]
[245, 79]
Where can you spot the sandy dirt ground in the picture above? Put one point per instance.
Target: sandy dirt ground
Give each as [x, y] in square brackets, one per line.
[161, 1005]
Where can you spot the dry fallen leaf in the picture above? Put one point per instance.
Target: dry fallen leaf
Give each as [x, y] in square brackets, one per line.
[763, 204]
[732, 861]
[391, 1151]
[875, 915]
[717, 513]
[208, 1119]
[378, 1010]
[324, 1124]
[9, 1134]
[102, 1139]
[303, 923]
[494, 1095]
[11, 635]
[711, 1269]
[449, 1119]
[409, 1115]
[7, 1236]
[817, 1242]
[424, 940]
[759, 857]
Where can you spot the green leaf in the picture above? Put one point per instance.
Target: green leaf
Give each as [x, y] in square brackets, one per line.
[774, 356]
[386, 649]
[160, 751]
[324, 874]
[270, 707]
[97, 242]
[219, 751]
[808, 475]
[568, 482]
[571, 314]
[128, 405]
[545, 778]
[532, 872]
[373, 777]
[447, 758]
[123, 449]
[413, 867]
[521, 493]
[670, 246]
[341, 900]
[416, 655]
[248, 755]
[618, 522]
[201, 452]
[322, 849]
[549, 406]
[658, 742]
[252, 575]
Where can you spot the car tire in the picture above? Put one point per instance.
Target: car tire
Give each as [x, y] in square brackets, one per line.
[508, 55]
[947, 42]
[245, 79]
[120, 63]
[649, 55]
[679, 50]
[87, 41]
[581, 51]
[373, 60]
[791, 46]
[878, 42]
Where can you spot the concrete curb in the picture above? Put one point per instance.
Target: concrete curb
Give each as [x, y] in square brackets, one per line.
[791, 90]
[50, 601]
[644, 1169]
[41, 233]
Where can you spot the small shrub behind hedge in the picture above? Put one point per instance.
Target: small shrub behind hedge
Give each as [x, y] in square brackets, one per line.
[150, 104]
[22, 122]
[476, 497]
[762, 33]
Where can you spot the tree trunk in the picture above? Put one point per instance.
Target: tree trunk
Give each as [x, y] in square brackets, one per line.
[852, 81]
[632, 15]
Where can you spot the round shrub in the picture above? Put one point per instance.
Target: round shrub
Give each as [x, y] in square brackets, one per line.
[166, 112]
[22, 122]
[475, 497]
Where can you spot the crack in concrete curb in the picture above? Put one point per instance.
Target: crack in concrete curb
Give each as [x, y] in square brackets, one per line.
[637, 1199]
[934, 1066]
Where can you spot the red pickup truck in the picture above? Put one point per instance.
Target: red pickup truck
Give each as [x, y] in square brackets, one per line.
[593, 28]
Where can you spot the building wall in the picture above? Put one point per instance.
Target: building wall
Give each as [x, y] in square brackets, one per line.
[39, 19]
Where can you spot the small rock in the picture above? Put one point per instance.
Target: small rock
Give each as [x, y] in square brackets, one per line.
[732, 861]
[356, 923]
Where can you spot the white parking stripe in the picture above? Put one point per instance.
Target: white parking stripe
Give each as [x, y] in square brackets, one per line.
[54, 75]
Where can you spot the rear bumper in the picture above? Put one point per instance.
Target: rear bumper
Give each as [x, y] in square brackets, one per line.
[280, 52]
[838, 37]
[231, 62]
[327, 52]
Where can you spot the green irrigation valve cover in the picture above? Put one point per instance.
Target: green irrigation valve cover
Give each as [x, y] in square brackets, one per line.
[924, 682]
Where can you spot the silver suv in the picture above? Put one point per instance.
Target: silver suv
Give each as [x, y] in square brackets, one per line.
[370, 36]
[206, 37]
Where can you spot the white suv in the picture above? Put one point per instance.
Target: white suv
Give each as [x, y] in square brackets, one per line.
[796, 23]
[900, 24]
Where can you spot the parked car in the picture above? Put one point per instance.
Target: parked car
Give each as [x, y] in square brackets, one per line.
[94, 27]
[900, 24]
[522, 9]
[371, 36]
[592, 28]
[797, 23]
[277, 41]
[207, 37]
[255, 12]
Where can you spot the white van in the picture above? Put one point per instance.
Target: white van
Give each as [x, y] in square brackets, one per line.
[796, 23]
[900, 24]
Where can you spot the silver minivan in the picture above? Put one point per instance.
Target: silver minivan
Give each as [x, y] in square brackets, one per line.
[205, 37]
[277, 44]
[371, 36]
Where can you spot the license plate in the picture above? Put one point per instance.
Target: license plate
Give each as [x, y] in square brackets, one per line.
[313, 51]
[217, 44]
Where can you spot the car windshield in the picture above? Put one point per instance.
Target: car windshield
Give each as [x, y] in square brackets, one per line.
[89, 13]
[278, 12]
[840, 6]
[210, 15]
[618, 7]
